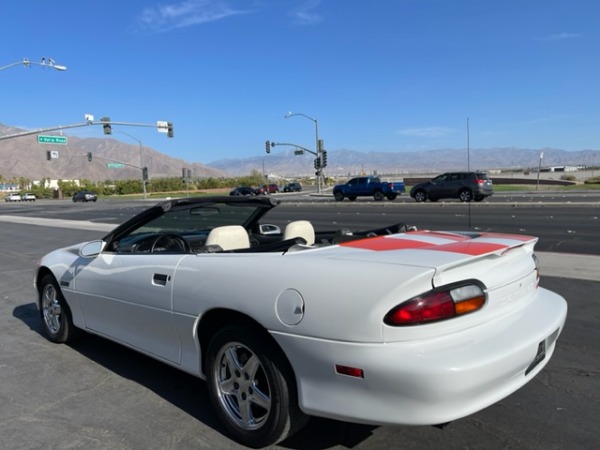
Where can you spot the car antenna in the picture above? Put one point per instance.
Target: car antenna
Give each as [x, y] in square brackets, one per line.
[468, 170]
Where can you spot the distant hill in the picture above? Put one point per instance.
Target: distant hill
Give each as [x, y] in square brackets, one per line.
[24, 157]
[344, 162]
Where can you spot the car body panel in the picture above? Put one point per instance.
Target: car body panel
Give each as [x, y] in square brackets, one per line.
[368, 186]
[324, 306]
[13, 198]
[451, 184]
[243, 190]
[84, 196]
[292, 187]
[28, 197]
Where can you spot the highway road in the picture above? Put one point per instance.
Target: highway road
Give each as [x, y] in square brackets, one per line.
[98, 395]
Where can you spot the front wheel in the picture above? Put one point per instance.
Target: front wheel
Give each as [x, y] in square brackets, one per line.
[338, 196]
[420, 196]
[252, 387]
[57, 322]
[378, 196]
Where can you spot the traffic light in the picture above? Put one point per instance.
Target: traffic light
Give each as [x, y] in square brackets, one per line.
[48, 155]
[144, 173]
[106, 125]
[169, 129]
[268, 146]
[89, 156]
[318, 162]
[324, 159]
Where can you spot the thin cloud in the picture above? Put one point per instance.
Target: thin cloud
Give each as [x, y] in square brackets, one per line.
[561, 36]
[427, 132]
[305, 15]
[185, 13]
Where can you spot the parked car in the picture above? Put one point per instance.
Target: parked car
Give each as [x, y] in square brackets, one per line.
[466, 186]
[292, 187]
[368, 187]
[386, 326]
[243, 190]
[13, 197]
[267, 189]
[28, 197]
[85, 196]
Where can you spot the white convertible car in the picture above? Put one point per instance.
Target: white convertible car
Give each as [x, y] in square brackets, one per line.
[390, 326]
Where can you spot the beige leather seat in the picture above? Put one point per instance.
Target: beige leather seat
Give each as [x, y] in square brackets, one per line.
[229, 237]
[300, 228]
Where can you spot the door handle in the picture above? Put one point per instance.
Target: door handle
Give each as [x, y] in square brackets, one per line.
[160, 279]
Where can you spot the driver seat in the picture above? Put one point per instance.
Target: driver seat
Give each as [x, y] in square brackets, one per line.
[229, 237]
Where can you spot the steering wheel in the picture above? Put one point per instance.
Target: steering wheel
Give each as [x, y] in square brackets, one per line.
[171, 242]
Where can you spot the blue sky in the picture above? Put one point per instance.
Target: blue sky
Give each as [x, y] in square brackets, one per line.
[378, 75]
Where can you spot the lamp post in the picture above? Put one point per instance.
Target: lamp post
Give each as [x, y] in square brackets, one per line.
[317, 147]
[141, 159]
[45, 62]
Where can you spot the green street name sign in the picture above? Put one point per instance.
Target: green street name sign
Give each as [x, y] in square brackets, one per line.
[115, 165]
[42, 139]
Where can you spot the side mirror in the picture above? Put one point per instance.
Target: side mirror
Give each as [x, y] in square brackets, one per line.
[92, 248]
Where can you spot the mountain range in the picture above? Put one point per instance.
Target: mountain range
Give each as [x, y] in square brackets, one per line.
[24, 157]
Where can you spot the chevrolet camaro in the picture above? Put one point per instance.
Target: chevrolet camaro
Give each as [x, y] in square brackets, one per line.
[385, 327]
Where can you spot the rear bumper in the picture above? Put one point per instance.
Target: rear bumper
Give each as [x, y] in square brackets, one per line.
[431, 381]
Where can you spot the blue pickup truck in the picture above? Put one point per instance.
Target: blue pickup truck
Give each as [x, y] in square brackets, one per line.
[367, 187]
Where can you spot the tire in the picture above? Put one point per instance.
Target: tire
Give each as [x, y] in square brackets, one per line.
[57, 321]
[420, 196]
[252, 387]
[392, 196]
[465, 195]
[378, 196]
[339, 196]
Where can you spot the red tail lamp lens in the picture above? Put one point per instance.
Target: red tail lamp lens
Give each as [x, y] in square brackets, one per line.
[437, 305]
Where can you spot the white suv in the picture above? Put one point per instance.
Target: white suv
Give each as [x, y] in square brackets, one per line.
[14, 197]
[28, 197]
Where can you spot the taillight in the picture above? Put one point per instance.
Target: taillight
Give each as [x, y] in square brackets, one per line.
[440, 304]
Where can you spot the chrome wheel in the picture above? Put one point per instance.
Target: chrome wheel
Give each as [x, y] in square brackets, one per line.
[242, 386]
[57, 321]
[465, 195]
[252, 386]
[420, 196]
[51, 309]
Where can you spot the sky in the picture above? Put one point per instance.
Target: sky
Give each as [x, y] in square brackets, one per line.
[366, 75]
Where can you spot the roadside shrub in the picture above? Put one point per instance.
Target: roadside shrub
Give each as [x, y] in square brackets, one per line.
[568, 178]
[593, 180]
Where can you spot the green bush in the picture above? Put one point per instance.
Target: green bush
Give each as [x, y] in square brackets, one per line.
[593, 180]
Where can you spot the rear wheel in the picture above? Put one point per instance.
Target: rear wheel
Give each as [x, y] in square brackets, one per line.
[252, 387]
[465, 195]
[420, 196]
[378, 196]
[57, 322]
[338, 196]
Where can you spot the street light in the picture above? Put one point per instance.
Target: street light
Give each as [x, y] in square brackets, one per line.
[317, 150]
[45, 62]
[144, 173]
